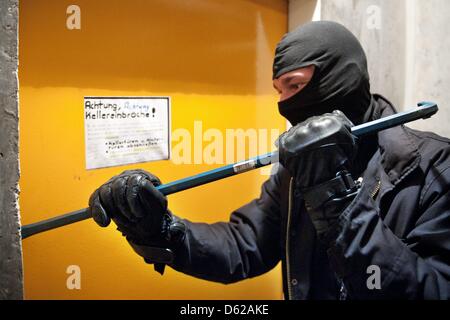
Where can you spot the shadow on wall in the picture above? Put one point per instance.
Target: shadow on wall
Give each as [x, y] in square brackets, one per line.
[302, 11]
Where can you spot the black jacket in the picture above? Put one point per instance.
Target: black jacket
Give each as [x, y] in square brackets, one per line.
[399, 221]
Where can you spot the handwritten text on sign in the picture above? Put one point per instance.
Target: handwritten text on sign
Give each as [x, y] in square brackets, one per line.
[124, 130]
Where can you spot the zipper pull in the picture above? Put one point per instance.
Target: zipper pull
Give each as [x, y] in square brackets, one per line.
[342, 290]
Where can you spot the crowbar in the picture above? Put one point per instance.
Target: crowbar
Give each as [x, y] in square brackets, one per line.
[423, 111]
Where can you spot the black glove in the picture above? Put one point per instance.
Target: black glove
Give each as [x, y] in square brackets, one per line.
[318, 153]
[140, 212]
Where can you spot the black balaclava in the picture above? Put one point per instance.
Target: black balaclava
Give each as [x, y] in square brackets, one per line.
[340, 79]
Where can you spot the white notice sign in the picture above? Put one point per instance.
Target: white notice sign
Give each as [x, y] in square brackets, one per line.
[124, 130]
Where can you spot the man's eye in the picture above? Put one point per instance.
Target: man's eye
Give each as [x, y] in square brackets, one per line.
[298, 86]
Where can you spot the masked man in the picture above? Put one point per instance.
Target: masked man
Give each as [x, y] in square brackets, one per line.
[337, 210]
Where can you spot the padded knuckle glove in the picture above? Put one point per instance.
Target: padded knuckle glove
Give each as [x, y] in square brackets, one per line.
[313, 151]
[319, 154]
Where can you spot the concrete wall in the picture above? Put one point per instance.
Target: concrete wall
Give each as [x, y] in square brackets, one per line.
[379, 25]
[10, 242]
[428, 60]
[407, 47]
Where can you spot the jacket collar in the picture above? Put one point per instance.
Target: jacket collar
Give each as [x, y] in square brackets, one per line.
[398, 151]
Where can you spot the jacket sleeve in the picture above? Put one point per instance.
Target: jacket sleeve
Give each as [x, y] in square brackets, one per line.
[417, 267]
[244, 247]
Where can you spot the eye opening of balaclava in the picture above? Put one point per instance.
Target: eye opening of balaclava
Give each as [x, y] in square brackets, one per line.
[340, 79]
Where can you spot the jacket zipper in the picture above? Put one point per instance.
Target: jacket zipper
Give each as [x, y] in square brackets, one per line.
[342, 289]
[375, 191]
[288, 275]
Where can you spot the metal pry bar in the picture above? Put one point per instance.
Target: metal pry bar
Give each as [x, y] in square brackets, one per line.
[423, 111]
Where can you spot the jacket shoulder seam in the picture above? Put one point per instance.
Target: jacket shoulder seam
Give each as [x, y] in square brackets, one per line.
[428, 135]
[428, 186]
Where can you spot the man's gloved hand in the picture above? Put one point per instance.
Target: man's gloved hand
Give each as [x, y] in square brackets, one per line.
[139, 210]
[318, 153]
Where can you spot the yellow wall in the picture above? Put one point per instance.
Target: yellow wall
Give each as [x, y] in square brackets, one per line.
[212, 57]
